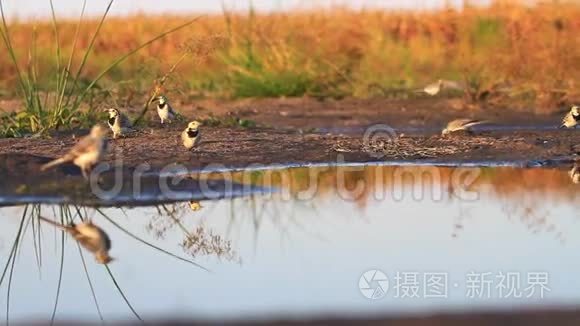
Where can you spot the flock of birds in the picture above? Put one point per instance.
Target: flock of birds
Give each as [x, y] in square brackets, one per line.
[90, 150]
[571, 120]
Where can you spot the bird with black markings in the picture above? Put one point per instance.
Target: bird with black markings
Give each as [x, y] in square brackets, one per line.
[572, 118]
[191, 136]
[86, 153]
[164, 110]
[90, 236]
[119, 123]
[461, 125]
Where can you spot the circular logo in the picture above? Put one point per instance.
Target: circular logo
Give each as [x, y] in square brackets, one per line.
[373, 284]
[376, 138]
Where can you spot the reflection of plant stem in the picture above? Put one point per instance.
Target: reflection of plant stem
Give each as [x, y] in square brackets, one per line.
[14, 245]
[256, 221]
[149, 244]
[180, 225]
[59, 276]
[36, 229]
[122, 294]
[9, 288]
[90, 283]
[12, 259]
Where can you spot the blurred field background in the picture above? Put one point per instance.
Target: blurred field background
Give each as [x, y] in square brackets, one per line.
[511, 54]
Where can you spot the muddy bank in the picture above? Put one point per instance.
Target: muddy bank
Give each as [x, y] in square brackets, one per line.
[404, 114]
[289, 132]
[240, 148]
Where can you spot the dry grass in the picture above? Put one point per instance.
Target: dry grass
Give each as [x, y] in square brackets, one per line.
[335, 52]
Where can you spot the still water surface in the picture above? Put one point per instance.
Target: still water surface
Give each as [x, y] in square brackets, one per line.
[301, 253]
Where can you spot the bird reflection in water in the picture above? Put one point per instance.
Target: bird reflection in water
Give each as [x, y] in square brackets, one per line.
[89, 236]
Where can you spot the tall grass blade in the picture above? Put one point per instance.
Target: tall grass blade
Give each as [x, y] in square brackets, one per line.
[88, 51]
[4, 32]
[66, 71]
[122, 58]
[161, 82]
[57, 45]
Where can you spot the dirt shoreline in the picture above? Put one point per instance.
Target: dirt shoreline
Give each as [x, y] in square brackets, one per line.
[288, 132]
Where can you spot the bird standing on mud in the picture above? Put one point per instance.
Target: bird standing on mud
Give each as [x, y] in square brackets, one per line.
[119, 123]
[190, 136]
[461, 125]
[86, 153]
[436, 87]
[90, 237]
[571, 119]
[164, 110]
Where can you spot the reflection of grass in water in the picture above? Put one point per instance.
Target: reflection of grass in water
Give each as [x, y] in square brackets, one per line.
[10, 262]
[66, 215]
[519, 188]
[196, 242]
[93, 294]
[64, 220]
[148, 243]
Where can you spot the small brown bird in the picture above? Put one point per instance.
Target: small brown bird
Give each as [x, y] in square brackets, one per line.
[461, 125]
[119, 123]
[571, 119]
[190, 136]
[90, 237]
[86, 153]
[440, 85]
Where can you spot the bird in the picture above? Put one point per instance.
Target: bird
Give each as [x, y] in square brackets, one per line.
[461, 125]
[86, 153]
[190, 136]
[164, 109]
[436, 87]
[572, 118]
[90, 236]
[119, 123]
